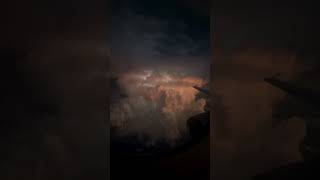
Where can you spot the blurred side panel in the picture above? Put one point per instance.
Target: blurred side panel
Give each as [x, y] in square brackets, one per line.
[54, 74]
[253, 40]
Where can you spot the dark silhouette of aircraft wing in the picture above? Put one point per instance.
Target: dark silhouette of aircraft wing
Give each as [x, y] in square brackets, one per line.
[205, 91]
[309, 147]
[300, 92]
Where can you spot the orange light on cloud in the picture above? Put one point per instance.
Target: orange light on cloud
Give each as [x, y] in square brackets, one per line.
[173, 96]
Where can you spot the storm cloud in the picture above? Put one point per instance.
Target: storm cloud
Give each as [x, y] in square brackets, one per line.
[159, 50]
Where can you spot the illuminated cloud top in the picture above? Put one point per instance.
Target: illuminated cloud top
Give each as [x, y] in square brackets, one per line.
[159, 51]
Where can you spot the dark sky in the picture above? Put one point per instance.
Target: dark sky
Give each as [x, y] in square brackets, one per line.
[170, 33]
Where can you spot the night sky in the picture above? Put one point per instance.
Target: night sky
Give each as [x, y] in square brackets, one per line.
[169, 33]
[159, 50]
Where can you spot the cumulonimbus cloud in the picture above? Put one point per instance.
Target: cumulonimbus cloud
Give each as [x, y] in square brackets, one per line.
[158, 104]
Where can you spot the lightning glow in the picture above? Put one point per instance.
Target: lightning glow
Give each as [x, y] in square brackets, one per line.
[159, 103]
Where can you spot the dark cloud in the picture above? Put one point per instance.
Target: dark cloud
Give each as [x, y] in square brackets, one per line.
[148, 34]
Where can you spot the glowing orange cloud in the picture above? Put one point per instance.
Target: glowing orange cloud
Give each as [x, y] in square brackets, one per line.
[173, 96]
